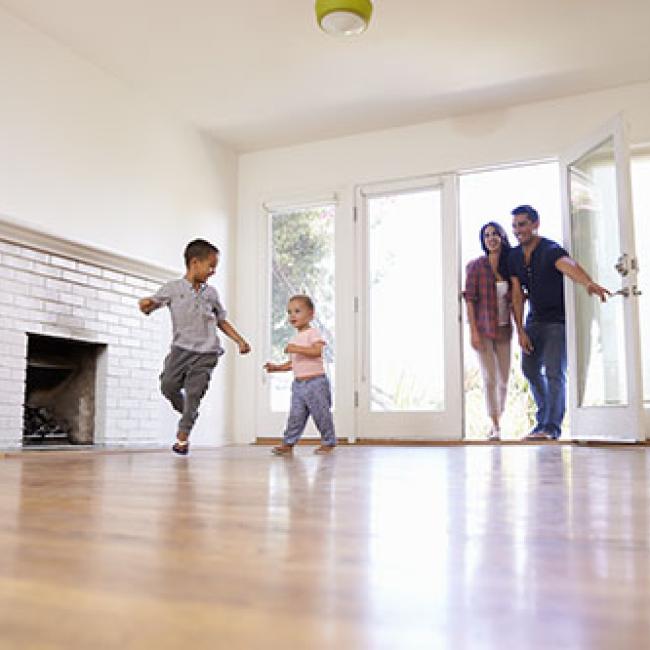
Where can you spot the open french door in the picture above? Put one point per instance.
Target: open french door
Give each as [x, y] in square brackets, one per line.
[604, 361]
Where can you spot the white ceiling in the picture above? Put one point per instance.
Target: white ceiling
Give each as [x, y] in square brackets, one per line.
[259, 73]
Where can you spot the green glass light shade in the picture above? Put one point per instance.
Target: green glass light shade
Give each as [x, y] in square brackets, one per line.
[343, 17]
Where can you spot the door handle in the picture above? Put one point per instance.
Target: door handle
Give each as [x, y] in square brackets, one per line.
[626, 292]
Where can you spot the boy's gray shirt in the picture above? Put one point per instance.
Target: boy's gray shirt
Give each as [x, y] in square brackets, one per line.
[195, 315]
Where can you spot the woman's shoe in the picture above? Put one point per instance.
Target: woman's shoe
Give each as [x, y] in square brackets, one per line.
[495, 434]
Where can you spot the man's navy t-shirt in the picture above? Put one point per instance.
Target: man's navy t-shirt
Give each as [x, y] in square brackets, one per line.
[541, 280]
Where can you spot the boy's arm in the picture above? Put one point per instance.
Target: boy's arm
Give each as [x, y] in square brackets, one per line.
[234, 335]
[161, 298]
[149, 304]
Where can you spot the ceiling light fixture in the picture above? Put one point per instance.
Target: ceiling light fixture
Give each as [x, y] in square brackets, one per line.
[343, 17]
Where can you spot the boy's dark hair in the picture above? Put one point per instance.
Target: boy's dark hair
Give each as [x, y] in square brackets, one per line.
[306, 300]
[199, 248]
[528, 210]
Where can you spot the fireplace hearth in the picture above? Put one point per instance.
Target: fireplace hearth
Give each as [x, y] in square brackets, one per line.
[60, 391]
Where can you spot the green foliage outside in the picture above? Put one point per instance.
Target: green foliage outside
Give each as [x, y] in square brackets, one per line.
[302, 262]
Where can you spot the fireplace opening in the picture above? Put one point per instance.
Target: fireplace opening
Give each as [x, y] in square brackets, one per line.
[60, 400]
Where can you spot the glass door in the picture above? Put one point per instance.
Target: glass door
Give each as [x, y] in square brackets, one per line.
[605, 396]
[300, 260]
[408, 373]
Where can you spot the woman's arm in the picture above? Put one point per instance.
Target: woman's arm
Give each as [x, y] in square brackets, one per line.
[475, 336]
[470, 295]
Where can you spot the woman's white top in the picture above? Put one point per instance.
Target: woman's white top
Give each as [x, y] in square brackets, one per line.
[503, 308]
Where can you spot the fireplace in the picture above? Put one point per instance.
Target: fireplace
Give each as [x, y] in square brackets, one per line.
[60, 391]
[79, 363]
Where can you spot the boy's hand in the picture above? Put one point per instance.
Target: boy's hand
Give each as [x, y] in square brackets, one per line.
[270, 367]
[147, 305]
[244, 347]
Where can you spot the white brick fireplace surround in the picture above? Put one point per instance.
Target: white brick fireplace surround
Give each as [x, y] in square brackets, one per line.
[53, 287]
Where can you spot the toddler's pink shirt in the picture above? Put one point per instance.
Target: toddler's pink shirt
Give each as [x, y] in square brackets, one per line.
[302, 365]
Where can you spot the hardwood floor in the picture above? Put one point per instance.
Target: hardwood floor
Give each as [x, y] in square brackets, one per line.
[373, 547]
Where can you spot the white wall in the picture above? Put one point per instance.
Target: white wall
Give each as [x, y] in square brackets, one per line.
[526, 132]
[88, 158]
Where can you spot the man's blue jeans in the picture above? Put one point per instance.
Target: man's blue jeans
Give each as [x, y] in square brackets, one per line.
[545, 370]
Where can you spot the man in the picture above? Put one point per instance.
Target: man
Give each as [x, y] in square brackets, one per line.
[539, 265]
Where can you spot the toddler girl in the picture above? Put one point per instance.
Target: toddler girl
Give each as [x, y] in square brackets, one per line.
[310, 390]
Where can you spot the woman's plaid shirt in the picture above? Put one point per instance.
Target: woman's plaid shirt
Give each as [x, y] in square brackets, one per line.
[480, 289]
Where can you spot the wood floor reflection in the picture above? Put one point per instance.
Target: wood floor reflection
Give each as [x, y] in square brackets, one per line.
[372, 547]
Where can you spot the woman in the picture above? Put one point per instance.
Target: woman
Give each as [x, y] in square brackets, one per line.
[488, 296]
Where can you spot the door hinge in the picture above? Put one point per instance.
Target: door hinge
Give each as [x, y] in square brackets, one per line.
[356, 399]
[356, 304]
[355, 214]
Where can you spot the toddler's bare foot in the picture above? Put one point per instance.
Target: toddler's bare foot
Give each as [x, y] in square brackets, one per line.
[324, 449]
[282, 450]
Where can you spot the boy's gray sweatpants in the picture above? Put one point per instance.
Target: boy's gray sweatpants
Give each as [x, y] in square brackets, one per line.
[310, 397]
[184, 380]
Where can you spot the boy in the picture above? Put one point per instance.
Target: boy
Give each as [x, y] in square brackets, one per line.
[196, 313]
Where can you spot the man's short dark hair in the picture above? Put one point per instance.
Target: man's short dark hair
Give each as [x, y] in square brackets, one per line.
[199, 248]
[528, 210]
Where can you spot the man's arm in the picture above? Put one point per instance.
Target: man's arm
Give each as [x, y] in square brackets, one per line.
[569, 267]
[234, 335]
[518, 314]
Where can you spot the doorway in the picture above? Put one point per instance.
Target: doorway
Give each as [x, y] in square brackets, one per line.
[490, 195]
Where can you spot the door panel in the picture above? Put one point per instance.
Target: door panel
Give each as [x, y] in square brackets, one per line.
[300, 260]
[409, 375]
[603, 338]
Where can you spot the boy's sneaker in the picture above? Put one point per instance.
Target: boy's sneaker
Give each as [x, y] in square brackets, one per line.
[324, 449]
[181, 447]
[282, 450]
